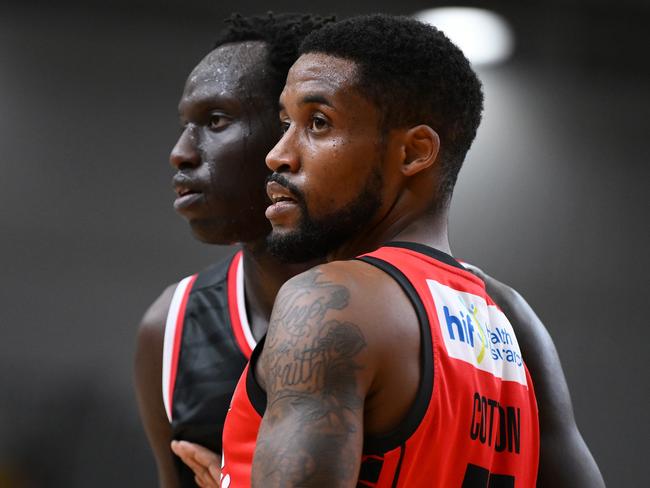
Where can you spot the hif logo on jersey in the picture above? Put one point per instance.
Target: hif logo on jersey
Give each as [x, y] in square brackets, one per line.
[477, 333]
[465, 326]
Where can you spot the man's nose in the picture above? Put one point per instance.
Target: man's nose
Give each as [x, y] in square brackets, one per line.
[185, 153]
[284, 156]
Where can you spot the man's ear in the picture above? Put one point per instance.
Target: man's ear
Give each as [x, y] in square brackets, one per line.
[421, 144]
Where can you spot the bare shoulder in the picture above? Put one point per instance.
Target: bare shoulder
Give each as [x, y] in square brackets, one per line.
[538, 348]
[353, 291]
[331, 302]
[154, 319]
[150, 339]
[312, 303]
[149, 348]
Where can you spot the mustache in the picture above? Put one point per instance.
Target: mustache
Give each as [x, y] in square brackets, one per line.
[284, 181]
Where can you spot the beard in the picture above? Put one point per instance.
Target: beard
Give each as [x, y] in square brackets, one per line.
[316, 238]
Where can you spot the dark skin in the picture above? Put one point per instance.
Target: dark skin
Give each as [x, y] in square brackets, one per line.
[327, 373]
[310, 155]
[229, 123]
[565, 460]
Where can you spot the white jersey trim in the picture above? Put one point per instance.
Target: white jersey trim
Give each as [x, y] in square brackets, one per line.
[241, 306]
[171, 327]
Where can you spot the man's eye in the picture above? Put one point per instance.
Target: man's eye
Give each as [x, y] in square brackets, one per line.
[318, 124]
[284, 126]
[217, 121]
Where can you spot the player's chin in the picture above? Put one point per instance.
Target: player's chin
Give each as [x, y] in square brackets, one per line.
[288, 245]
[224, 232]
[283, 232]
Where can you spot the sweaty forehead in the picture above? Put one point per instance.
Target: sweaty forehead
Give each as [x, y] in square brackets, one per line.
[322, 72]
[237, 68]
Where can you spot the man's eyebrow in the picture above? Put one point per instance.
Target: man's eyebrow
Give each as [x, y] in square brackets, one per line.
[316, 98]
[307, 99]
[209, 101]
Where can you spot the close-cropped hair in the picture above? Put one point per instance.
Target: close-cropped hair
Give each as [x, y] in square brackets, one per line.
[414, 75]
[282, 34]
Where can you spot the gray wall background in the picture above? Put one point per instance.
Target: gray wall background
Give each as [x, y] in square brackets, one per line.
[553, 199]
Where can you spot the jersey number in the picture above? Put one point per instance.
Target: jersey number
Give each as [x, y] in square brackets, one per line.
[476, 476]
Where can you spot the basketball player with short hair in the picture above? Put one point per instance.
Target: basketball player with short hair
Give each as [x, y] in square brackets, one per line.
[199, 333]
[395, 368]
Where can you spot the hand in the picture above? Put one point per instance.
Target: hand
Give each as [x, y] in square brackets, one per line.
[205, 463]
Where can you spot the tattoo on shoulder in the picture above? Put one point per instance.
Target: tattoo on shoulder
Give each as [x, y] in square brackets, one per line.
[305, 302]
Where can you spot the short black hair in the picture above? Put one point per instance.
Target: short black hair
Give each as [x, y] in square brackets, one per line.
[415, 75]
[282, 34]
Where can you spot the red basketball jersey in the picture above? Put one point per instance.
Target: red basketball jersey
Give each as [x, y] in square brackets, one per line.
[474, 422]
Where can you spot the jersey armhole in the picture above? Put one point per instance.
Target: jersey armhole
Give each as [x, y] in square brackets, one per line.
[172, 340]
[256, 395]
[398, 437]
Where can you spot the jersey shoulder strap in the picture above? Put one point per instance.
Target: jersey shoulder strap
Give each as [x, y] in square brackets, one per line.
[237, 306]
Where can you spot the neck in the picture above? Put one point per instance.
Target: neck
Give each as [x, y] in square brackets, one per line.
[430, 230]
[263, 277]
[423, 226]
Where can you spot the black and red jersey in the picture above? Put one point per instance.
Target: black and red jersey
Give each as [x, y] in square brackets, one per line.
[207, 343]
[474, 422]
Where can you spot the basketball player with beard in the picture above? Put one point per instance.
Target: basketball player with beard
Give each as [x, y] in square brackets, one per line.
[396, 368]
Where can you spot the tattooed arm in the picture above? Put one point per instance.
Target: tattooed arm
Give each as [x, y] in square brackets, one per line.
[316, 373]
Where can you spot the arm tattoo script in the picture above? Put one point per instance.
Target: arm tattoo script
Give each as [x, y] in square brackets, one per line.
[311, 434]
